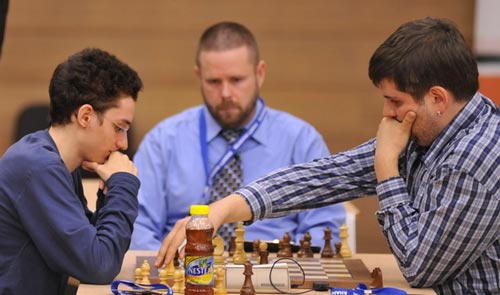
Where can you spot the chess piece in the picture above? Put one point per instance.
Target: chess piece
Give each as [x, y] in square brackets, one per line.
[138, 275]
[220, 288]
[345, 251]
[178, 286]
[285, 247]
[307, 245]
[170, 269]
[327, 248]
[162, 274]
[263, 253]
[300, 252]
[377, 280]
[145, 272]
[232, 246]
[256, 244]
[338, 246]
[247, 288]
[218, 243]
[307, 249]
[240, 256]
[176, 259]
[280, 249]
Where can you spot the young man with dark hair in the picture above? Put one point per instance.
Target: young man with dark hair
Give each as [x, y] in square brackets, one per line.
[47, 233]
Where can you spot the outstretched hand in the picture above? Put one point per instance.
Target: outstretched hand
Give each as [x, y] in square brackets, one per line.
[172, 242]
[392, 138]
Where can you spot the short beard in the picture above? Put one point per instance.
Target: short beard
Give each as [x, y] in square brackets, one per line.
[243, 118]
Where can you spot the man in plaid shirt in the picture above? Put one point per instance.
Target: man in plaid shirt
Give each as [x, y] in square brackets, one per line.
[434, 164]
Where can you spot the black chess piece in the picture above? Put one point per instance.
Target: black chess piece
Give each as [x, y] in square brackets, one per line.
[256, 244]
[232, 246]
[327, 248]
[247, 288]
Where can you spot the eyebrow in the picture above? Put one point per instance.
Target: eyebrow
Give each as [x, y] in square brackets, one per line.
[125, 121]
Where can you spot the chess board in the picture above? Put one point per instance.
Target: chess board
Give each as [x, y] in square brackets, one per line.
[337, 272]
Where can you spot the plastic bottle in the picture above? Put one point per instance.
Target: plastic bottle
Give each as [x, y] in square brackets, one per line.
[199, 259]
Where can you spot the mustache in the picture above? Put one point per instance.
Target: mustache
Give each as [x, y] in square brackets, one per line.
[227, 104]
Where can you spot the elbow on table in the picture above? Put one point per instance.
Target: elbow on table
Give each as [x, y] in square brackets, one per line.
[100, 275]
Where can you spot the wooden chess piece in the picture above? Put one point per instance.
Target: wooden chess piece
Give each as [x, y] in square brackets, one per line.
[247, 288]
[338, 246]
[240, 256]
[327, 251]
[280, 249]
[232, 246]
[138, 275]
[218, 243]
[307, 245]
[162, 274]
[178, 286]
[176, 259]
[220, 288]
[263, 253]
[300, 252]
[255, 245]
[345, 251]
[307, 249]
[377, 280]
[145, 272]
[170, 269]
[287, 248]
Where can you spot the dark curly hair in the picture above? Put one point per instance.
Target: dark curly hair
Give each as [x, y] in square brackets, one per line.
[91, 76]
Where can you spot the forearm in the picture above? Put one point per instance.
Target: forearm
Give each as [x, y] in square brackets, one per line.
[230, 209]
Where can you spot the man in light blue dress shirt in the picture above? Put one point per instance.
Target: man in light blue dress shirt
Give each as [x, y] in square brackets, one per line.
[176, 156]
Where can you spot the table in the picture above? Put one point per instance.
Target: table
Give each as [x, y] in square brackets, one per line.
[390, 271]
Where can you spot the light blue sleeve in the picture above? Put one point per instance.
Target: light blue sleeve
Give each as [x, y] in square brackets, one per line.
[150, 160]
[310, 145]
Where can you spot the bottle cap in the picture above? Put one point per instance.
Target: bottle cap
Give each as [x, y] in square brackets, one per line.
[199, 210]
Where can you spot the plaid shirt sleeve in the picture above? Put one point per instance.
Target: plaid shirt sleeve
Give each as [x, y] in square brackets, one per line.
[318, 183]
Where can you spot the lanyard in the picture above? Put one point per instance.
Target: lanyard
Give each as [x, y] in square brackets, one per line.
[362, 289]
[231, 150]
[140, 288]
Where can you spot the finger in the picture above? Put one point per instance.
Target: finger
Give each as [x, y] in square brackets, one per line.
[408, 120]
[165, 253]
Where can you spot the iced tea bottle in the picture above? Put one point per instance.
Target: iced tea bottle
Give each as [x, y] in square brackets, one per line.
[199, 259]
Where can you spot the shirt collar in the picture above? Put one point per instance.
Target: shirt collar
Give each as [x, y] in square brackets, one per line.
[213, 128]
[460, 123]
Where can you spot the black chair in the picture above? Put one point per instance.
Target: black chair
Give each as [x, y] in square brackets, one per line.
[32, 118]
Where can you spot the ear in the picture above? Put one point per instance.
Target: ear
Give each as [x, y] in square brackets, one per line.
[84, 115]
[197, 72]
[441, 98]
[261, 72]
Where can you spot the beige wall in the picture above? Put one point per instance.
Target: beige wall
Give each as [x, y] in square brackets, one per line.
[317, 54]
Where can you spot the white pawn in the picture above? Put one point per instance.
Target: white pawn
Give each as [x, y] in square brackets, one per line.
[145, 272]
[220, 288]
[178, 286]
[345, 251]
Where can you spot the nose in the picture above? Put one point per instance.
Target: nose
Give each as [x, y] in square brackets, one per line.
[122, 142]
[226, 90]
[388, 110]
